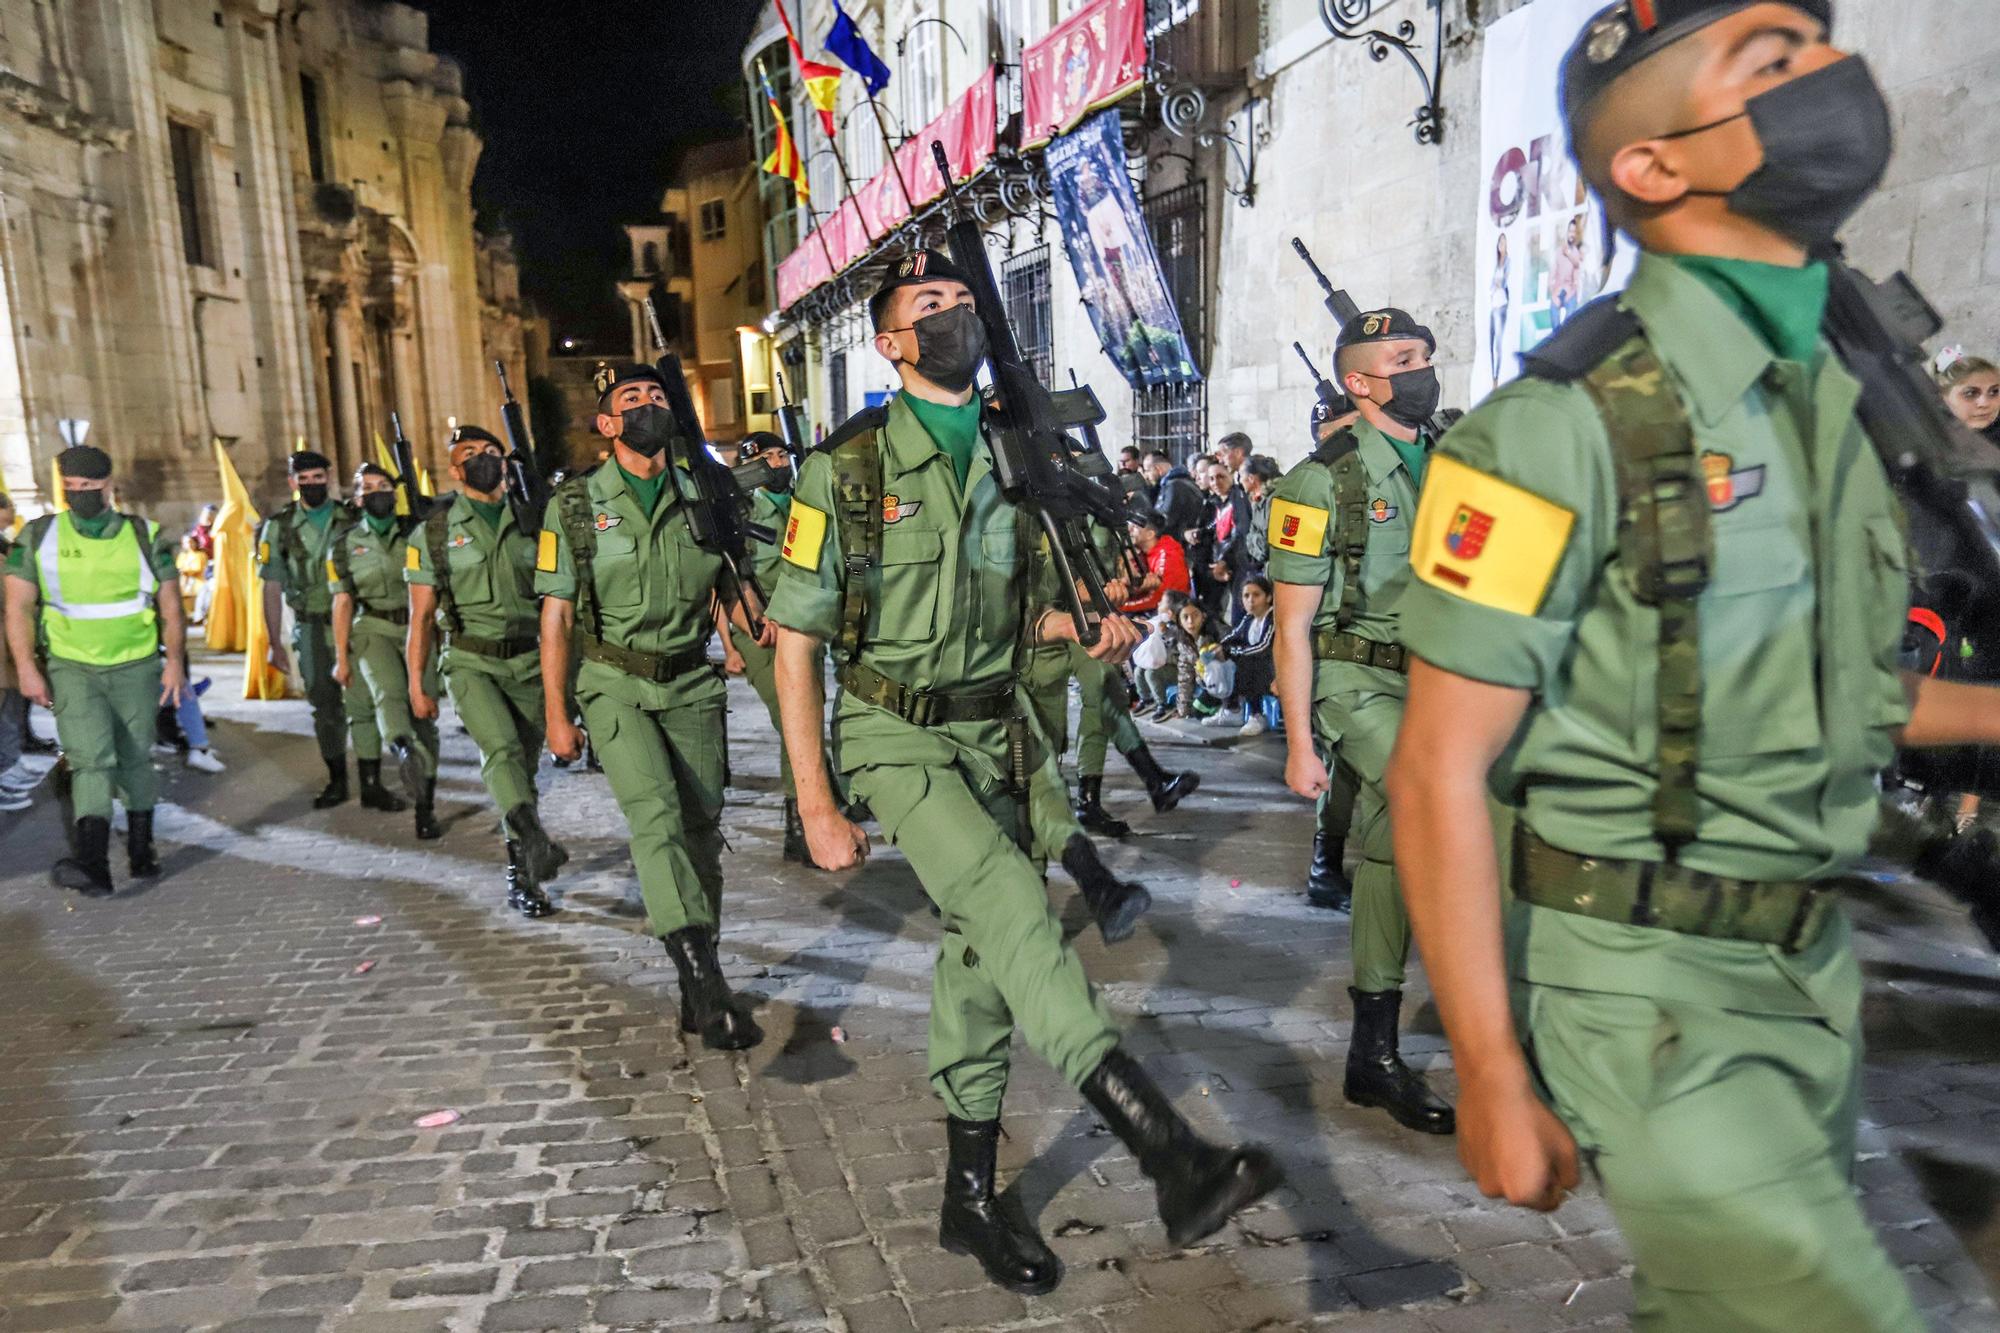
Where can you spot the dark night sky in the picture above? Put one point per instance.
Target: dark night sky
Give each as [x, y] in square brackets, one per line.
[585, 106]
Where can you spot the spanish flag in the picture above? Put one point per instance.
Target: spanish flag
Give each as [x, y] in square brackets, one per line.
[822, 81]
[784, 159]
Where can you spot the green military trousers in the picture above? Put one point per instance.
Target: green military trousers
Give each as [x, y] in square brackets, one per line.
[1335, 809]
[668, 768]
[1107, 713]
[105, 723]
[500, 704]
[382, 677]
[1003, 960]
[1356, 729]
[760, 670]
[1051, 818]
[1725, 1144]
[336, 713]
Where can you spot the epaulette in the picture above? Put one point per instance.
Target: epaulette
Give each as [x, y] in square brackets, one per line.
[867, 419]
[1336, 447]
[1581, 344]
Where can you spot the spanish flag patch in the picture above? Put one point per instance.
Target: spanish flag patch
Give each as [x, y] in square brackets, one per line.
[805, 533]
[1487, 540]
[1297, 527]
[545, 552]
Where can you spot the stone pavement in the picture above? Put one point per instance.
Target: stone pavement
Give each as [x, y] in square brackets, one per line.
[210, 1088]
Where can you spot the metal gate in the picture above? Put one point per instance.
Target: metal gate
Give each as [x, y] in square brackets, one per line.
[1173, 418]
[1025, 279]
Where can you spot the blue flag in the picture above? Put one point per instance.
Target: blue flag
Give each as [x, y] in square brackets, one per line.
[846, 44]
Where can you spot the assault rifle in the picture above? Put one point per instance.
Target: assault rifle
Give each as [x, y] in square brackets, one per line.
[714, 517]
[1034, 460]
[1341, 306]
[791, 423]
[527, 490]
[1079, 406]
[1948, 478]
[405, 456]
[1336, 403]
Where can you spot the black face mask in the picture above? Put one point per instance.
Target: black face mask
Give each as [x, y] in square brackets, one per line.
[85, 504]
[950, 345]
[483, 472]
[1413, 396]
[646, 429]
[379, 504]
[313, 496]
[1827, 139]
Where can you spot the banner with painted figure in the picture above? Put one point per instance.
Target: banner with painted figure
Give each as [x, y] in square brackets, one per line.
[1541, 248]
[1112, 253]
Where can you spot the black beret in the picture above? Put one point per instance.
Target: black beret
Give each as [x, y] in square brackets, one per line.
[609, 376]
[757, 441]
[1621, 36]
[1383, 326]
[916, 269]
[305, 460]
[85, 463]
[467, 434]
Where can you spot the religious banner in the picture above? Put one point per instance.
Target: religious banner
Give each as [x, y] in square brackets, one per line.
[1541, 252]
[1087, 62]
[1111, 251]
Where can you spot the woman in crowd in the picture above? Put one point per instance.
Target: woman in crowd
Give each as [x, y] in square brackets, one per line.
[1971, 389]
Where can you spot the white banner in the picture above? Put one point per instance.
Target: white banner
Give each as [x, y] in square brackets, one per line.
[1540, 249]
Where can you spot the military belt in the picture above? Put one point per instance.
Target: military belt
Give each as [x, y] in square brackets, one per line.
[504, 650]
[395, 615]
[1664, 895]
[313, 617]
[921, 707]
[658, 668]
[1340, 646]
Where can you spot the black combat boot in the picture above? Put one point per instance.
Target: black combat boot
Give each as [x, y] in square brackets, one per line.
[375, 796]
[1090, 811]
[1167, 789]
[419, 786]
[796, 847]
[707, 1006]
[543, 857]
[1326, 881]
[64, 781]
[87, 869]
[335, 791]
[1117, 904]
[524, 895]
[139, 853]
[1198, 1185]
[1376, 1074]
[972, 1221]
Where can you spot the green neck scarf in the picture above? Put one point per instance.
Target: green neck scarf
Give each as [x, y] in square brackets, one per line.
[93, 527]
[1416, 454]
[1783, 305]
[320, 515]
[953, 428]
[646, 490]
[379, 526]
[490, 510]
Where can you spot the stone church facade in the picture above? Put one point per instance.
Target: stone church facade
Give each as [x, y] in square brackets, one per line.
[238, 219]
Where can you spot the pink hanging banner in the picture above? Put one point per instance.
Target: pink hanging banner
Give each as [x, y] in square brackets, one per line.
[1088, 61]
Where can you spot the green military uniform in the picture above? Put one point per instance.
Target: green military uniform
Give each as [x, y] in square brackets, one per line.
[99, 638]
[1682, 736]
[1343, 526]
[482, 564]
[767, 509]
[651, 701]
[292, 549]
[367, 563]
[928, 641]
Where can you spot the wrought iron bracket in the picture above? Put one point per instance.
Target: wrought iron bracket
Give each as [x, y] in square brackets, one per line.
[1349, 21]
[1244, 150]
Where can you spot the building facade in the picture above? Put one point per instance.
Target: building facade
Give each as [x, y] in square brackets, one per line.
[245, 220]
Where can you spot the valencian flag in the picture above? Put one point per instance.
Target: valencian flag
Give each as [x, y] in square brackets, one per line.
[784, 159]
[845, 43]
[822, 81]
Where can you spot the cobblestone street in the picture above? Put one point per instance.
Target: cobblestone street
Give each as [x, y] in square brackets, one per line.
[211, 1087]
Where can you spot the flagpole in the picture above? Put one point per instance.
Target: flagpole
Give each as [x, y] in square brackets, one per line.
[875, 104]
[801, 199]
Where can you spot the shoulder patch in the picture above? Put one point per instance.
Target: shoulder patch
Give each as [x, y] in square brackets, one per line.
[264, 553]
[1297, 527]
[545, 552]
[1487, 540]
[412, 558]
[805, 534]
[869, 418]
[332, 574]
[1585, 339]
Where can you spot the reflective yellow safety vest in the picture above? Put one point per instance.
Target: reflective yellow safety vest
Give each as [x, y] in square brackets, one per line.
[97, 594]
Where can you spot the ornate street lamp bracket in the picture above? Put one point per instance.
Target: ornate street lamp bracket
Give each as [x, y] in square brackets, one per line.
[1349, 21]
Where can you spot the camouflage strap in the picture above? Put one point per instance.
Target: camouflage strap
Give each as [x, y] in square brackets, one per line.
[1666, 896]
[580, 532]
[857, 502]
[436, 524]
[1665, 544]
[921, 707]
[659, 668]
[1350, 531]
[1334, 646]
